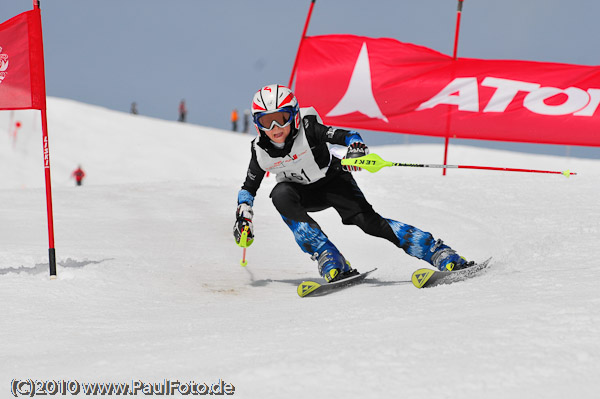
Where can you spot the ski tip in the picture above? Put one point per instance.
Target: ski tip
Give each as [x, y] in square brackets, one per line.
[420, 277]
[306, 288]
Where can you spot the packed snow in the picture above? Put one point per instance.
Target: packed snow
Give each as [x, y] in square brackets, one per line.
[150, 286]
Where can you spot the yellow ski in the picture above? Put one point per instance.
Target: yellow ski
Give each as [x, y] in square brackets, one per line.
[311, 288]
[424, 278]
[307, 287]
[420, 277]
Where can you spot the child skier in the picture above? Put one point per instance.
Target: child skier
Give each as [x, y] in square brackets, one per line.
[292, 144]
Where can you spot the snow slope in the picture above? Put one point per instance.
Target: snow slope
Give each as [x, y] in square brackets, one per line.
[149, 284]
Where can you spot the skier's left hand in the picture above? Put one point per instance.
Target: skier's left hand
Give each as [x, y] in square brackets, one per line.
[355, 150]
[243, 220]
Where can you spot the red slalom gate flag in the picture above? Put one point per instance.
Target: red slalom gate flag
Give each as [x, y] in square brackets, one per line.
[386, 85]
[22, 84]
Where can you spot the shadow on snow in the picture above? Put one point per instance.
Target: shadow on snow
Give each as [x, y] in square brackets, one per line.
[43, 267]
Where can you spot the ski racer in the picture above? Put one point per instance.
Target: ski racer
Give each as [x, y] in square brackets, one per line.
[292, 143]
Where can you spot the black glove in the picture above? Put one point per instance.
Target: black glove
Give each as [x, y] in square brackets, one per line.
[355, 150]
[243, 221]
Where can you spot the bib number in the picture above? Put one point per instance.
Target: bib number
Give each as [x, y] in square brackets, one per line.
[293, 176]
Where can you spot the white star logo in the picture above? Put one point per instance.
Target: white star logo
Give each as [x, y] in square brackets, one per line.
[3, 65]
[359, 94]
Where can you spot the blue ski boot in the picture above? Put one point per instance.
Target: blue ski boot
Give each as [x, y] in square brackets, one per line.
[446, 259]
[332, 264]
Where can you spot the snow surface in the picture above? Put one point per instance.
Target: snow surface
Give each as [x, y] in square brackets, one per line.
[150, 288]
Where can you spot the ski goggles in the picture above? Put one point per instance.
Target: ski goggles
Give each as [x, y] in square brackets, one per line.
[267, 121]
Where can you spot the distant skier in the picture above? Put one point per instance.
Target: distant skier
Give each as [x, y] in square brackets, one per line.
[78, 175]
[134, 110]
[234, 120]
[292, 143]
[246, 120]
[182, 111]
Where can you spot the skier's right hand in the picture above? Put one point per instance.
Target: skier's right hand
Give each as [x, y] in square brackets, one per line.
[355, 150]
[243, 222]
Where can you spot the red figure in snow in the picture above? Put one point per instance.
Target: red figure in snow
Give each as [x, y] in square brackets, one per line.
[78, 175]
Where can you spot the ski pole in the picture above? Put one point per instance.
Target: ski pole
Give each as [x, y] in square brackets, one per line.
[373, 163]
[244, 244]
[244, 262]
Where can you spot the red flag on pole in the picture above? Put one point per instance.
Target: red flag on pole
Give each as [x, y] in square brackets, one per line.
[22, 62]
[23, 86]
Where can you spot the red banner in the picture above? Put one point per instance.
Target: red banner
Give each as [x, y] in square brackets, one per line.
[386, 85]
[21, 62]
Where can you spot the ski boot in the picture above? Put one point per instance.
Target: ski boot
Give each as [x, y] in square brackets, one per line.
[332, 264]
[446, 259]
[459, 264]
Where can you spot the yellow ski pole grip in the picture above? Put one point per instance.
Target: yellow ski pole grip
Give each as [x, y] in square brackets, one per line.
[244, 238]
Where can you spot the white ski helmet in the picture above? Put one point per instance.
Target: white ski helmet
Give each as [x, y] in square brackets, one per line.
[273, 99]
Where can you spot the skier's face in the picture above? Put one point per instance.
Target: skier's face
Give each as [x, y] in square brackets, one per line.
[279, 134]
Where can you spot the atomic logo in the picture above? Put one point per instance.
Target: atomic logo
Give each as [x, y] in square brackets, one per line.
[465, 94]
[3, 65]
[359, 94]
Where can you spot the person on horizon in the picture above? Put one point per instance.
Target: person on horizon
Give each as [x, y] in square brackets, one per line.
[293, 144]
[246, 120]
[234, 120]
[78, 175]
[182, 111]
[133, 110]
